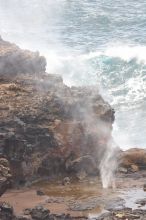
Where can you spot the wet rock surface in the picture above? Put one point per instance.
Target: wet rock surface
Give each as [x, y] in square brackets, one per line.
[41, 213]
[37, 213]
[82, 200]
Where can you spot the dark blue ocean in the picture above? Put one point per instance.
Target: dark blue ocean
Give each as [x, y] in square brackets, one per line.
[90, 42]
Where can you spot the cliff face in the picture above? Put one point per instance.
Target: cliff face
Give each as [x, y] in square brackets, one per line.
[46, 127]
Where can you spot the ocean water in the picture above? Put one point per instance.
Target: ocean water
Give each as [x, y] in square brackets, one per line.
[90, 42]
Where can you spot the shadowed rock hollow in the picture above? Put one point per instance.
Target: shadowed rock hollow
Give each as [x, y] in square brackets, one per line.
[47, 128]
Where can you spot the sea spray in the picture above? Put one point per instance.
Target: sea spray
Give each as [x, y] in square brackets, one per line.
[90, 133]
[101, 40]
[108, 165]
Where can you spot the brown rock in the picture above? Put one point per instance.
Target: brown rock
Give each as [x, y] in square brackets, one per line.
[133, 159]
[44, 123]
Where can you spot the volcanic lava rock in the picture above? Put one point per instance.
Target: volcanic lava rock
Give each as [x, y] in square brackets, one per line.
[44, 123]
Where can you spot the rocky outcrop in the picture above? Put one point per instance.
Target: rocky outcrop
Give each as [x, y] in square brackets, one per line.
[133, 160]
[46, 127]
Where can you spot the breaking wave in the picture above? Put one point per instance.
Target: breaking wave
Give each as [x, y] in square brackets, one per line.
[90, 42]
[120, 72]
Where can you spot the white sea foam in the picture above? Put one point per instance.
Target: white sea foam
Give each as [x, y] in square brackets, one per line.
[122, 51]
[127, 53]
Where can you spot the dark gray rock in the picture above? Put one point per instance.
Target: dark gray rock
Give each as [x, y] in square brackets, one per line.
[6, 211]
[40, 213]
[40, 193]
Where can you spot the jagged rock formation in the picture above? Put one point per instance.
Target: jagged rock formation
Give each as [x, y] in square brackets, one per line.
[46, 127]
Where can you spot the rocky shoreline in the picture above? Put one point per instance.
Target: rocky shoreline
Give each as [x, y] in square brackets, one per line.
[46, 127]
[84, 200]
[51, 131]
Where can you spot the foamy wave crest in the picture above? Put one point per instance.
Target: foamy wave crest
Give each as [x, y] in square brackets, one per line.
[127, 53]
[124, 52]
[124, 80]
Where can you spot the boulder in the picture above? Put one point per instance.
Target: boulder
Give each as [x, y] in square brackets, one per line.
[40, 213]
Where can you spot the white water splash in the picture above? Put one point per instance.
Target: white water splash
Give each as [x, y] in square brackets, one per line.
[127, 52]
[108, 165]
